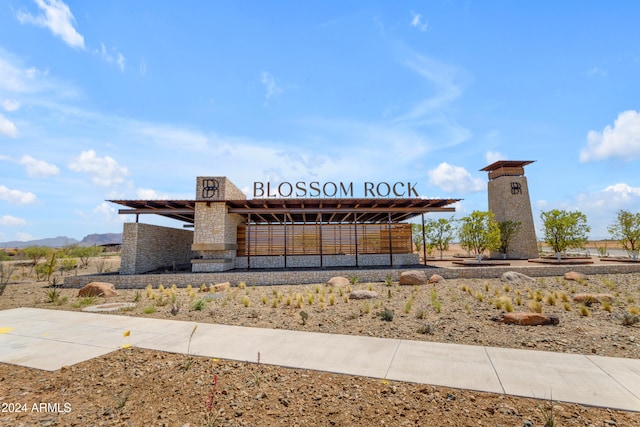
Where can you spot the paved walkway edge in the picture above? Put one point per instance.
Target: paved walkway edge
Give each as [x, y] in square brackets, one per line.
[50, 339]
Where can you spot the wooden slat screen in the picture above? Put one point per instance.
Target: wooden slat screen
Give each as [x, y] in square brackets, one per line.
[304, 239]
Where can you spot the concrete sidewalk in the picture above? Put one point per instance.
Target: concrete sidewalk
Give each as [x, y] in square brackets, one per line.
[50, 339]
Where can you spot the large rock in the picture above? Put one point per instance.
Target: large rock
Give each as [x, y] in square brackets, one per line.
[436, 278]
[220, 287]
[98, 289]
[413, 277]
[338, 282]
[592, 298]
[574, 275]
[530, 319]
[515, 277]
[362, 294]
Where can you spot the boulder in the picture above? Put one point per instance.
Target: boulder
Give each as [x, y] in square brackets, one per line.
[98, 289]
[515, 277]
[413, 277]
[220, 287]
[530, 319]
[574, 275]
[436, 278]
[362, 294]
[338, 282]
[592, 298]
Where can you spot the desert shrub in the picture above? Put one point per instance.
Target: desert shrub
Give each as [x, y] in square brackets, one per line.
[386, 315]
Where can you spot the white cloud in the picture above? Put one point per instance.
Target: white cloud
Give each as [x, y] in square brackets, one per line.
[149, 194]
[493, 156]
[455, 179]
[270, 84]
[622, 193]
[57, 18]
[11, 221]
[24, 237]
[105, 171]
[108, 213]
[16, 197]
[7, 128]
[38, 168]
[112, 56]
[170, 136]
[10, 105]
[416, 21]
[622, 140]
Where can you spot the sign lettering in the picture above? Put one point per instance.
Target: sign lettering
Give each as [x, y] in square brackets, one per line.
[330, 189]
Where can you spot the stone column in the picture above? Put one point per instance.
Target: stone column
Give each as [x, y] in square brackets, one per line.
[215, 230]
[509, 201]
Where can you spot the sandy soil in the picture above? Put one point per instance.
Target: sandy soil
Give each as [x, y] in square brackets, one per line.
[142, 388]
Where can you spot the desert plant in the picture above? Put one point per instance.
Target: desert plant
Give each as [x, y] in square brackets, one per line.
[508, 230]
[479, 232]
[199, 305]
[332, 299]
[353, 279]
[629, 319]
[386, 315]
[439, 233]
[121, 400]
[5, 276]
[246, 301]
[149, 309]
[53, 295]
[242, 285]
[626, 230]
[535, 306]
[388, 281]
[304, 316]
[426, 329]
[548, 415]
[407, 305]
[86, 301]
[211, 415]
[421, 313]
[564, 230]
[584, 310]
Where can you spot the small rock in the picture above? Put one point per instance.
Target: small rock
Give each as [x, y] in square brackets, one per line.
[436, 278]
[338, 282]
[221, 287]
[98, 289]
[515, 277]
[574, 275]
[530, 319]
[363, 294]
[593, 298]
[413, 277]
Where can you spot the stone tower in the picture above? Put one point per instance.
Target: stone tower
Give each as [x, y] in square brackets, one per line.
[509, 201]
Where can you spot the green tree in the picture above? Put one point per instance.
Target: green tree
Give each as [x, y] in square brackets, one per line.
[479, 232]
[626, 230]
[564, 230]
[508, 230]
[416, 236]
[35, 254]
[85, 253]
[439, 233]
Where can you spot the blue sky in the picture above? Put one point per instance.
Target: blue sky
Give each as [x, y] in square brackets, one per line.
[133, 100]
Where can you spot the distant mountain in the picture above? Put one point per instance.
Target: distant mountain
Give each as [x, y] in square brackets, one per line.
[102, 239]
[60, 241]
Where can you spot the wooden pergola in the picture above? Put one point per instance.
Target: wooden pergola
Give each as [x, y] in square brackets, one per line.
[310, 226]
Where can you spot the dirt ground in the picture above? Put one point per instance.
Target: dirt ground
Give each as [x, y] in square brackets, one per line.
[136, 387]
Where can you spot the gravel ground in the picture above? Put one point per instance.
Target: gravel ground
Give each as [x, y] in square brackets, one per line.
[142, 388]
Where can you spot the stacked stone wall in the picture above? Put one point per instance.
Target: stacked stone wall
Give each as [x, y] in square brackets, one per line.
[292, 277]
[509, 201]
[146, 247]
[296, 261]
